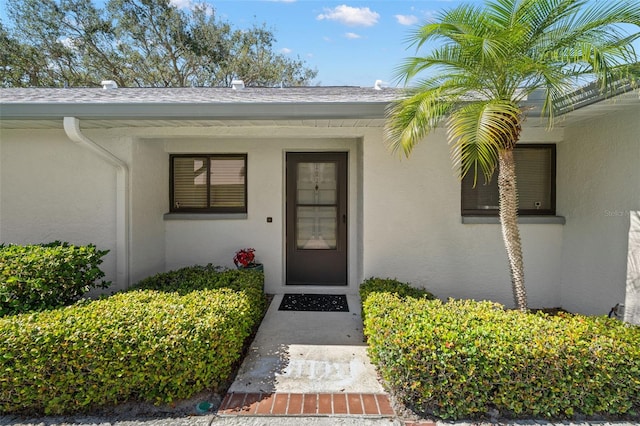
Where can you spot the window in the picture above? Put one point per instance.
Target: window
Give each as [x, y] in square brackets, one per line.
[208, 183]
[535, 179]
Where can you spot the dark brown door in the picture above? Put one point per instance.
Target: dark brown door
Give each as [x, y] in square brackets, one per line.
[317, 218]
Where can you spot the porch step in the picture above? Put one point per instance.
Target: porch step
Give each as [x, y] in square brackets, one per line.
[306, 404]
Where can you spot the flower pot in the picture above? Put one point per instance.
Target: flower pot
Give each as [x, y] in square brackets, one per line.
[254, 267]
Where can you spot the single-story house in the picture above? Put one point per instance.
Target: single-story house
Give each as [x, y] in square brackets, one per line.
[170, 177]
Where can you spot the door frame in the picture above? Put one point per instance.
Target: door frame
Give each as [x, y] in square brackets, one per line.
[347, 210]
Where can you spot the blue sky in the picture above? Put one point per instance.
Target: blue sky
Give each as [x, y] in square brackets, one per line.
[349, 42]
[353, 42]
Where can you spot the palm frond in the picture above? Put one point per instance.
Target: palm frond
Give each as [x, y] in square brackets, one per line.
[503, 52]
[409, 120]
[544, 16]
[478, 131]
[450, 26]
[446, 61]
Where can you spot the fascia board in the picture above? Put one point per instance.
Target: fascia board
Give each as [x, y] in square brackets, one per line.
[175, 111]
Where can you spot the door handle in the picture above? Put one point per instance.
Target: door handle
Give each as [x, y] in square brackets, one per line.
[344, 218]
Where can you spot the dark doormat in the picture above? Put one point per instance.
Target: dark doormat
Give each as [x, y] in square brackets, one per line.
[314, 302]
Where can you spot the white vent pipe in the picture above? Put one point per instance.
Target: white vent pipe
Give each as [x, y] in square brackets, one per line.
[109, 84]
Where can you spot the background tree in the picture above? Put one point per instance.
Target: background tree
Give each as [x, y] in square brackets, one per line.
[488, 60]
[20, 64]
[137, 43]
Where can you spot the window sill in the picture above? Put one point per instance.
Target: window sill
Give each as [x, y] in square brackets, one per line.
[205, 216]
[522, 220]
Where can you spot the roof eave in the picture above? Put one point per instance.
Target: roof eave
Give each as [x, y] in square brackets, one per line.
[194, 111]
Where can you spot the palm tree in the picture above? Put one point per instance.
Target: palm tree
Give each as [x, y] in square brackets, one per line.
[489, 60]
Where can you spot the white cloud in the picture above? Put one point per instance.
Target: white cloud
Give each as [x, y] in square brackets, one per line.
[351, 16]
[352, 36]
[181, 4]
[407, 19]
[192, 5]
[69, 43]
[285, 50]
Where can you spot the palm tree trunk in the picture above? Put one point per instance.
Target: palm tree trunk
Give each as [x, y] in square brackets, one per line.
[509, 221]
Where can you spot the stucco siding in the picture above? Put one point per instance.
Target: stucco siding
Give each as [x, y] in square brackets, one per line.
[404, 214]
[216, 240]
[53, 189]
[149, 201]
[598, 185]
[413, 230]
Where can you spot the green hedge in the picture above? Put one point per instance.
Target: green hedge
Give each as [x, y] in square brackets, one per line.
[465, 359]
[198, 277]
[390, 285]
[147, 345]
[46, 276]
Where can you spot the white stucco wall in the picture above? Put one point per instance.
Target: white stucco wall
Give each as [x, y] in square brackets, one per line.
[404, 214]
[598, 185]
[52, 189]
[386, 219]
[216, 240]
[149, 179]
[413, 230]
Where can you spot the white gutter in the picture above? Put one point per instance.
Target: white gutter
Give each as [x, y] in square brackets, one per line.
[72, 128]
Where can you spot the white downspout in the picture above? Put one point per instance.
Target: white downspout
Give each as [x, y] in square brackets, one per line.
[72, 128]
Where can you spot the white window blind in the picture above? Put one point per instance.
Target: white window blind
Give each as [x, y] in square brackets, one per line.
[209, 183]
[535, 180]
[227, 182]
[190, 183]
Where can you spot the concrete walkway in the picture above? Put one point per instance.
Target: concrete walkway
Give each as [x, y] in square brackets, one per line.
[308, 352]
[308, 364]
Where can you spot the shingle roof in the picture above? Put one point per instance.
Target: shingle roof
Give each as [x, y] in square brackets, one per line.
[320, 94]
[196, 103]
[292, 103]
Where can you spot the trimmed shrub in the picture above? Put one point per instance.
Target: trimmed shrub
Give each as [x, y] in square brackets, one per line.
[46, 276]
[143, 344]
[198, 277]
[392, 286]
[465, 359]
[389, 285]
[210, 277]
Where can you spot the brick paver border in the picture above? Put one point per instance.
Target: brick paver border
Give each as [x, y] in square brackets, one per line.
[306, 404]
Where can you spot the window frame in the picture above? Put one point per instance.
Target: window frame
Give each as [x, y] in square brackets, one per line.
[521, 212]
[206, 210]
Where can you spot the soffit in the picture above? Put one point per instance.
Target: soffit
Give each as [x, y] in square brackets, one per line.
[585, 110]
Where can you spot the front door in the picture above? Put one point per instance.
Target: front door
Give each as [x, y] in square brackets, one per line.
[316, 218]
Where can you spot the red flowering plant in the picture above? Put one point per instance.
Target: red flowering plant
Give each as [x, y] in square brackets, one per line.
[245, 258]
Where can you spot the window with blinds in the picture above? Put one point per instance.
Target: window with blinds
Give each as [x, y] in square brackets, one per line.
[209, 183]
[535, 180]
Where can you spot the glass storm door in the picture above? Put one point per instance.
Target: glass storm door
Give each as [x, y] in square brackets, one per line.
[316, 218]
